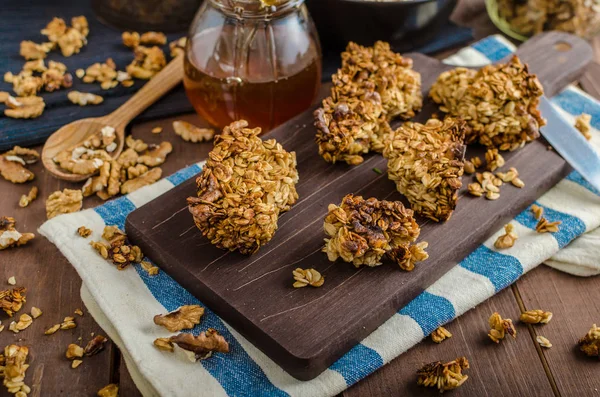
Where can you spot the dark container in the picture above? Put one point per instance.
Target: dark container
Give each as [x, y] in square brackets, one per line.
[404, 24]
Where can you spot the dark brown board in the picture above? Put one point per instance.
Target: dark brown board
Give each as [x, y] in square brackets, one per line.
[306, 330]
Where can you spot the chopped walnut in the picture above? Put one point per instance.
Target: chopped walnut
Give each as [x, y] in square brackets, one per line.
[259, 178]
[164, 344]
[582, 123]
[191, 133]
[81, 160]
[55, 77]
[440, 334]
[363, 231]
[97, 183]
[64, 202]
[12, 169]
[499, 103]
[26, 199]
[156, 156]
[373, 86]
[537, 211]
[9, 236]
[544, 226]
[185, 317]
[145, 179]
[95, 345]
[29, 156]
[37, 65]
[536, 317]
[84, 98]
[137, 145]
[36, 312]
[118, 250]
[80, 23]
[590, 343]
[446, 376]
[110, 390]
[84, 231]
[130, 39]
[147, 62]
[28, 107]
[426, 163]
[70, 40]
[114, 179]
[494, 159]
[149, 268]
[508, 239]
[74, 351]
[31, 50]
[103, 73]
[11, 300]
[177, 47]
[153, 38]
[202, 345]
[137, 170]
[304, 277]
[25, 84]
[14, 369]
[500, 327]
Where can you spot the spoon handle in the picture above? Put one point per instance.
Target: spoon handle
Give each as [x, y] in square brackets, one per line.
[154, 89]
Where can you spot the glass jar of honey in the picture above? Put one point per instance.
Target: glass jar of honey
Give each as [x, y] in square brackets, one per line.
[257, 60]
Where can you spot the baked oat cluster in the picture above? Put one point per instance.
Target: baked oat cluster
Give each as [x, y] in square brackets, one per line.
[244, 187]
[530, 17]
[363, 231]
[426, 162]
[499, 102]
[373, 86]
[444, 377]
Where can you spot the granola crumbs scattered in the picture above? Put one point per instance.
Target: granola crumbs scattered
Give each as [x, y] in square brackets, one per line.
[190, 133]
[14, 368]
[245, 218]
[184, 317]
[110, 390]
[150, 268]
[84, 98]
[164, 344]
[508, 239]
[500, 327]
[446, 376]
[426, 162]
[362, 231]
[36, 312]
[76, 363]
[130, 39]
[9, 236]
[590, 343]
[203, 345]
[493, 159]
[64, 202]
[536, 317]
[26, 199]
[117, 249]
[145, 179]
[582, 123]
[440, 334]
[84, 231]
[304, 277]
[74, 351]
[12, 281]
[153, 38]
[544, 226]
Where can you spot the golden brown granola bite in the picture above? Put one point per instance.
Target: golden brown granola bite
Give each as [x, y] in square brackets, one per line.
[363, 231]
[245, 185]
[373, 86]
[499, 102]
[426, 161]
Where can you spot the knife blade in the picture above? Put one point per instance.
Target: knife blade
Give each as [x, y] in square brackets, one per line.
[570, 144]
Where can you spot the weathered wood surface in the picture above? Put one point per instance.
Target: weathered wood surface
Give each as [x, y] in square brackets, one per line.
[254, 294]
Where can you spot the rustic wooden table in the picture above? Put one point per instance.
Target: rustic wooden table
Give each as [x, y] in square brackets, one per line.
[515, 367]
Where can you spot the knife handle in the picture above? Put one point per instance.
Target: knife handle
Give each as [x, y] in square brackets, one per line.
[557, 58]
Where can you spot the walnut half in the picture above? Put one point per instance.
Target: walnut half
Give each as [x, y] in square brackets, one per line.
[202, 345]
[185, 317]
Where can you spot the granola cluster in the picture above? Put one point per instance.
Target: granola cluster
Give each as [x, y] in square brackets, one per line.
[12, 300]
[440, 335]
[446, 376]
[426, 162]
[14, 162]
[582, 123]
[362, 231]
[530, 17]
[590, 343]
[499, 103]
[117, 249]
[488, 184]
[500, 327]
[13, 367]
[373, 86]
[9, 236]
[244, 187]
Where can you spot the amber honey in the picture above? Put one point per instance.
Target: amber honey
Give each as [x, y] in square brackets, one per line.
[263, 88]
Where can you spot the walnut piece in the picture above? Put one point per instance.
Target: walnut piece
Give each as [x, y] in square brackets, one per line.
[55, 77]
[536, 317]
[31, 50]
[13, 171]
[446, 376]
[544, 226]
[136, 144]
[590, 343]
[97, 183]
[202, 345]
[184, 317]
[426, 162]
[190, 133]
[150, 268]
[110, 390]
[11, 300]
[9, 236]
[74, 351]
[135, 171]
[84, 231]
[28, 107]
[164, 344]
[130, 39]
[499, 102]
[244, 186]
[362, 231]
[26, 199]
[95, 345]
[500, 327]
[373, 86]
[582, 123]
[177, 47]
[29, 156]
[440, 334]
[70, 40]
[153, 38]
[304, 277]
[508, 239]
[64, 202]
[156, 156]
[84, 98]
[146, 63]
[145, 179]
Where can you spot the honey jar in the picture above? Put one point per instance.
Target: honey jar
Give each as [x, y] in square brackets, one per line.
[257, 60]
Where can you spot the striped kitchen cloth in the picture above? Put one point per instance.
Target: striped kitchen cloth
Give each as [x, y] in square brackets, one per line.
[124, 302]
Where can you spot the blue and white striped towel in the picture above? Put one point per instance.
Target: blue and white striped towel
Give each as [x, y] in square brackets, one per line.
[124, 302]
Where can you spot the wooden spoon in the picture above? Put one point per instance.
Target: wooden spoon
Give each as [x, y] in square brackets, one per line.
[75, 133]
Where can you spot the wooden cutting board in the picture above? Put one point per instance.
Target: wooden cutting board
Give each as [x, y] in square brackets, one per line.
[306, 330]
